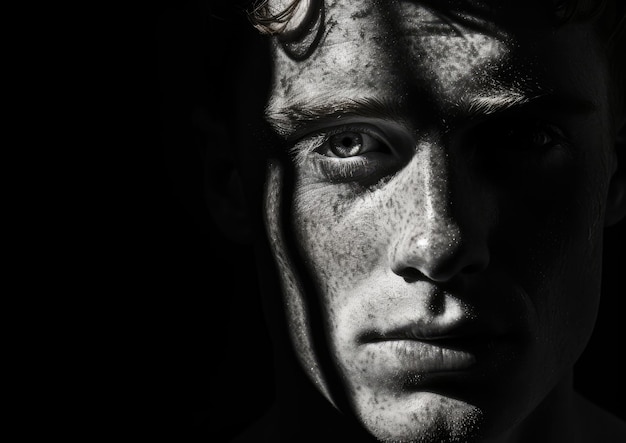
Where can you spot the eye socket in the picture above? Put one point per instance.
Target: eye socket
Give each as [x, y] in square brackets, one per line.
[536, 137]
[360, 153]
[518, 149]
[541, 138]
[518, 136]
[350, 144]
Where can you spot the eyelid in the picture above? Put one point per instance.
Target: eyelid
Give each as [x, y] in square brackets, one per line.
[516, 124]
[557, 134]
[554, 130]
[314, 140]
[358, 130]
[306, 151]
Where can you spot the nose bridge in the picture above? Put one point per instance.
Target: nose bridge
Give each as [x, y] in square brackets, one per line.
[425, 193]
[434, 238]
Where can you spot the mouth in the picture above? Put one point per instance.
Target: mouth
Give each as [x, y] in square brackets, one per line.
[416, 356]
[417, 351]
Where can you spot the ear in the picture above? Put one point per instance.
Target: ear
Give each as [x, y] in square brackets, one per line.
[616, 202]
[223, 187]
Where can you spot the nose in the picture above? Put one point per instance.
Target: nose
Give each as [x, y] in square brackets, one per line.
[442, 220]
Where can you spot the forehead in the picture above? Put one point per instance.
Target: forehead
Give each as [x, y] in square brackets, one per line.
[401, 45]
[408, 51]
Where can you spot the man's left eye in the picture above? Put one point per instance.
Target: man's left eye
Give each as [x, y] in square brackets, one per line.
[541, 138]
[538, 137]
[350, 144]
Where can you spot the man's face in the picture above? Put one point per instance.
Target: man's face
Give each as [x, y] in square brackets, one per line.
[449, 180]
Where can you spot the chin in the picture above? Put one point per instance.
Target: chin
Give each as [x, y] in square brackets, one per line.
[420, 417]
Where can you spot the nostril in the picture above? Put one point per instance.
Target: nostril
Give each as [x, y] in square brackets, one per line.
[442, 267]
[409, 274]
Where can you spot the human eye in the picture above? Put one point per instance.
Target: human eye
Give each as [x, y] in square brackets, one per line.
[536, 137]
[362, 153]
[351, 143]
[522, 148]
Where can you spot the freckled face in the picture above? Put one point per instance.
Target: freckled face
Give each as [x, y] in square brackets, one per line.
[452, 230]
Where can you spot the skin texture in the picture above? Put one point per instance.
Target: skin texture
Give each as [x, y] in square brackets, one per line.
[468, 210]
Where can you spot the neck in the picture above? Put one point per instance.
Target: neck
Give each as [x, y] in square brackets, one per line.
[554, 419]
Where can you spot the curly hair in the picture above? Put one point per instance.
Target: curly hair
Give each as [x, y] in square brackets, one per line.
[268, 22]
[610, 13]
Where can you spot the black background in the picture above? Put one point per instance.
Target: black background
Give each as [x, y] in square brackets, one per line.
[196, 353]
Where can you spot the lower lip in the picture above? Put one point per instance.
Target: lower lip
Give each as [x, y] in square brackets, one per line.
[415, 356]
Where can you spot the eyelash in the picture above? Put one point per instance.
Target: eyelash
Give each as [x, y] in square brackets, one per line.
[337, 168]
[521, 153]
[513, 150]
[555, 135]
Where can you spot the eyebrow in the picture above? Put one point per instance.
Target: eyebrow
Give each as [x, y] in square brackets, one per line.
[478, 107]
[483, 105]
[291, 120]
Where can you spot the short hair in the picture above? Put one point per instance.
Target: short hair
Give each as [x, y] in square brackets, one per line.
[609, 14]
[268, 21]
[271, 22]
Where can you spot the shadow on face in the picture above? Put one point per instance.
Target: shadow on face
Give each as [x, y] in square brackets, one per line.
[236, 261]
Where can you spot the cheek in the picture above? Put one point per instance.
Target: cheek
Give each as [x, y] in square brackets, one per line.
[340, 235]
[550, 241]
[567, 300]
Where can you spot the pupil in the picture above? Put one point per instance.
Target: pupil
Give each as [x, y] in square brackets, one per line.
[347, 144]
[541, 139]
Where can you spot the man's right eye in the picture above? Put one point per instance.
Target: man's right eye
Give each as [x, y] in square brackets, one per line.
[360, 153]
[350, 144]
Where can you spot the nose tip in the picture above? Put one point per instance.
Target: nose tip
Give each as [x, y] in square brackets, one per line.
[439, 256]
[441, 222]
